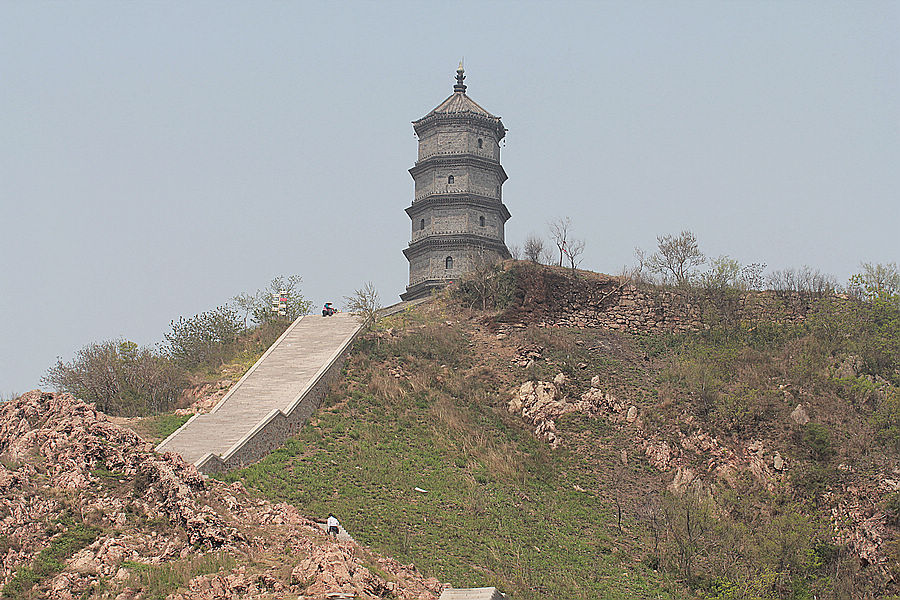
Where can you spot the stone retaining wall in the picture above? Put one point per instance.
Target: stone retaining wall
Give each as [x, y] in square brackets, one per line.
[552, 296]
[271, 433]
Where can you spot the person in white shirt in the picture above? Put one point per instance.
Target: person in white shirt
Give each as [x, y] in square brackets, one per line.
[333, 525]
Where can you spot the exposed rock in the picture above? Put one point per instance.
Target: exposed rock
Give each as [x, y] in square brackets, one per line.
[849, 368]
[684, 477]
[778, 462]
[561, 379]
[632, 414]
[114, 482]
[863, 530]
[597, 398]
[202, 398]
[526, 355]
[799, 415]
[659, 453]
[539, 403]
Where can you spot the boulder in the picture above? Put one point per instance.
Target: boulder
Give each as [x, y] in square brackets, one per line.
[632, 414]
[799, 415]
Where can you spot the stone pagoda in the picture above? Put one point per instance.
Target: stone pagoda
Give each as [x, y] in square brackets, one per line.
[457, 213]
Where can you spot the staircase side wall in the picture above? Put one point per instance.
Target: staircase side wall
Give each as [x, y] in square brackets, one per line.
[272, 432]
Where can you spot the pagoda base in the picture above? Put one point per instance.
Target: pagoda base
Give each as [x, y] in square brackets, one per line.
[423, 289]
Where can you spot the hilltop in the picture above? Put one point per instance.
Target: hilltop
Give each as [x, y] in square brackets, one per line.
[594, 438]
[555, 433]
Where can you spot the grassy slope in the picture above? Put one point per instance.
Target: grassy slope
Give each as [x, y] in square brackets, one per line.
[501, 508]
[423, 404]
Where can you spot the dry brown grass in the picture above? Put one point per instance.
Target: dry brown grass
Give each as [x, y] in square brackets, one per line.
[385, 386]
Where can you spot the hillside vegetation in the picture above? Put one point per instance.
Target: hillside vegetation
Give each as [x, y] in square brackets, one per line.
[124, 379]
[738, 459]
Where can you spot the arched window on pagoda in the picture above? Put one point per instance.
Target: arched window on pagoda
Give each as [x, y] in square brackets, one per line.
[448, 262]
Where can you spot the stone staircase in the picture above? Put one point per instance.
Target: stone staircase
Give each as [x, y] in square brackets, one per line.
[273, 400]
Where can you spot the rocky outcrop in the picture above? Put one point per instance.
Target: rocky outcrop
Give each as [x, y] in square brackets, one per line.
[541, 403]
[65, 465]
[202, 398]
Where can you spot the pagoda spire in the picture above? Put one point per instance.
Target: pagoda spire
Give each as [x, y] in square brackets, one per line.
[460, 76]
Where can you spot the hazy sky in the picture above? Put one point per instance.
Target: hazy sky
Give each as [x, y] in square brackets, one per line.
[157, 158]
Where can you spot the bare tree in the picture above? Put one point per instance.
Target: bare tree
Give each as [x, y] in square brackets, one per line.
[805, 281]
[637, 274]
[483, 283]
[534, 248]
[546, 257]
[652, 515]
[676, 257]
[515, 252]
[559, 233]
[245, 304]
[752, 276]
[687, 524]
[573, 251]
[875, 281]
[364, 303]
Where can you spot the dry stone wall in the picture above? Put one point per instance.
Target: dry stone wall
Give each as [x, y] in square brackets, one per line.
[552, 296]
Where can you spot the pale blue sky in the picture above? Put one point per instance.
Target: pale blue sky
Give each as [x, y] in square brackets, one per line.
[157, 158]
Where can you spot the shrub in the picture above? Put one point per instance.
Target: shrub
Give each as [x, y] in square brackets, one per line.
[812, 481]
[887, 418]
[204, 340]
[120, 377]
[816, 438]
[487, 286]
[364, 302]
[805, 281]
[869, 329]
[892, 509]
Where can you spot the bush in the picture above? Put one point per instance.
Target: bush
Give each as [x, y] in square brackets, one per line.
[120, 378]
[804, 281]
[295, 305]
[816, 438]
[869, 329]
[812, 481]
[364, 303]
[892, 509]
[488, 286]
[887, 418]
[204, 340]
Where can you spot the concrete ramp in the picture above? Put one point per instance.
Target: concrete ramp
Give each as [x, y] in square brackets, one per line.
[272, 400]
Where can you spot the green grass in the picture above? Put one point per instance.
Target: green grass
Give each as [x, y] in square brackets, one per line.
[500, 509]
[156, 582]
[162, 426]
[49, 561]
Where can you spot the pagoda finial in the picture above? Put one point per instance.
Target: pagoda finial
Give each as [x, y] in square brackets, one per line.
[460, 76]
